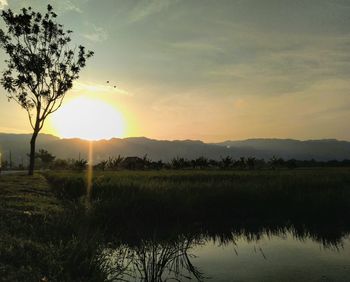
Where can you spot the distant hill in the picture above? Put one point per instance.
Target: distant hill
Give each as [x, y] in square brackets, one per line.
[328, 149]
[323, 150]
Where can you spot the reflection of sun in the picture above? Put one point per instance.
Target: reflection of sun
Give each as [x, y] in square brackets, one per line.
[89, 119]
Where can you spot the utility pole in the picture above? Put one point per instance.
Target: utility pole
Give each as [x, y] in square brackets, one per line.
[10, 160]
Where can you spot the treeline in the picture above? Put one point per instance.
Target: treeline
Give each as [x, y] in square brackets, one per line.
[45, 160]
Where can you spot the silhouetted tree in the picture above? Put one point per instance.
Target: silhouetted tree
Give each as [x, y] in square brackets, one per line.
[156, 165]
[345, 163]
[213, 163]
[41, 67]
[251, 162]
[45, 157]
[179, 163]
[80, 165]
[102, 165]
[146, 161]
[200, 162]
[60, 164]
[133, 163]
[114, 163]
[276, 162]
[240, 163]
[226, 162]
[291, 164]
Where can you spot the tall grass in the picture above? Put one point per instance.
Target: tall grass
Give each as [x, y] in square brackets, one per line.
[196, 196]
[143, 212]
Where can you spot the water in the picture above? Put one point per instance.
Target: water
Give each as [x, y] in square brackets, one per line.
[274, 258]
[284, 255]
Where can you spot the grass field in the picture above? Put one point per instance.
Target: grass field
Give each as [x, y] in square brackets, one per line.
[40, 237]
[46, 230]
[205, 195]
[310, 201]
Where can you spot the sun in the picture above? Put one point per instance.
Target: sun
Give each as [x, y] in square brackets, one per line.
[87, 118]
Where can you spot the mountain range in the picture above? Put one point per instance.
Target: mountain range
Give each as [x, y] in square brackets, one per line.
[17, 145]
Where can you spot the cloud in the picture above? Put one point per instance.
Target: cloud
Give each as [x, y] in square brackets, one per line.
[69, 6]
[97, 34]
[12, 130]
[283, 69]
[197, 46]
[3, 4]
[98, 88]
[144, 9]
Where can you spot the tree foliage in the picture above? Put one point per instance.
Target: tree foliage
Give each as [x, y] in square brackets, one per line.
[42, 66]
[45, 157]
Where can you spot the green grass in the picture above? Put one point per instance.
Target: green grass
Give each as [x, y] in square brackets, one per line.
[39, 234]
[317, 195]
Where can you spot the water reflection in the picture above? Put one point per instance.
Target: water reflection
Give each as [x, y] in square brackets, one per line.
[151, 260]
[197, 253]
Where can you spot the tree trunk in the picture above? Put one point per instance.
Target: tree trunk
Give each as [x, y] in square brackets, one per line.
[32, 152]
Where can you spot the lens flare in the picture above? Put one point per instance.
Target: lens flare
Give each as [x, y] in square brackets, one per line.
[89, 175]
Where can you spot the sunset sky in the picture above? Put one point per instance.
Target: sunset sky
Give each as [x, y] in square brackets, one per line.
[209, 70]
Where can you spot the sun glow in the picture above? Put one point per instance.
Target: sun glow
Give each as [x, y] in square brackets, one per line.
[87, 118]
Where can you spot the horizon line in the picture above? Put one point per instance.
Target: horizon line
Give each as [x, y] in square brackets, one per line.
[172, 140]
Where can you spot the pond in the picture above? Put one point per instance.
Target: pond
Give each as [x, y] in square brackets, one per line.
[282, 254]
[274, 258]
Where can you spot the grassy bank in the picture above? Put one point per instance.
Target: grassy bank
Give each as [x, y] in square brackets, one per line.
[40, 237]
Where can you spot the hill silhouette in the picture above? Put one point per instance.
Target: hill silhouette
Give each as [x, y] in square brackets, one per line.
[322, 150]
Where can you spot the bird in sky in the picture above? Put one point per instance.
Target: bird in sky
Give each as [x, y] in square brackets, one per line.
[113, 86]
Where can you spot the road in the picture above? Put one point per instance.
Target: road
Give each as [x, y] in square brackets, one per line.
[6, 172]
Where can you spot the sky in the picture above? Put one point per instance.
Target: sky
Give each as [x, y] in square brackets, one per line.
[209, 70]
